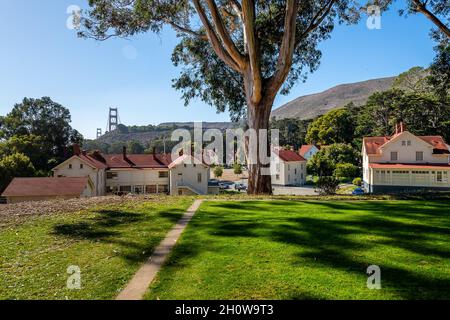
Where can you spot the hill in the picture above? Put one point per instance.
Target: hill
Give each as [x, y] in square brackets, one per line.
[311, 106]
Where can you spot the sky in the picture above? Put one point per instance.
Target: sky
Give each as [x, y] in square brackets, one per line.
[40, 56]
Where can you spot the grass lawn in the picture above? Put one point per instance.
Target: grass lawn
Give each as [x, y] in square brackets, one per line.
[310, 250]
[108, 243]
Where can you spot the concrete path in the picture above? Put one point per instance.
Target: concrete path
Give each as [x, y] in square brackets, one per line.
[137, 287]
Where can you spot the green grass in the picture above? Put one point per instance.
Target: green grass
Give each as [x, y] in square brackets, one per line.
[310, 250]
[108, 243]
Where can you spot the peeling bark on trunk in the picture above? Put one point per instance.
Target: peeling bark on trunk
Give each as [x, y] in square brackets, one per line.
[258, 119]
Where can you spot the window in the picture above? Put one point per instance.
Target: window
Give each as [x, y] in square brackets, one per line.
[408, 142]
[419, 156]
[394, 156]
[150, 189]
[295, 171]
[163, 188]
[125, 189]
[403, 143]
[163, 174]
[199, 178]
[70, 166]
[81, 166]
[289, 167]
[277, 177]
[439, 176]
[111, 175]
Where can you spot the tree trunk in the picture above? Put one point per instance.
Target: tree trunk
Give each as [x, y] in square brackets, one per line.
[258, 119]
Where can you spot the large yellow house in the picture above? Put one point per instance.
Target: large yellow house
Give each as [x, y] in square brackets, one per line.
[405, 163]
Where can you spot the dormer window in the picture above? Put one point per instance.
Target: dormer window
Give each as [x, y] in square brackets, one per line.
[394, 156]
[81, 166]
[70, 166]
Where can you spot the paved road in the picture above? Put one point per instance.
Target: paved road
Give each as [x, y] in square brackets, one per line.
[294, 191]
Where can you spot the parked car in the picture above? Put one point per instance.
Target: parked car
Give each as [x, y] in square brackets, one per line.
[358, 192]
[224, 186]
[240, 187]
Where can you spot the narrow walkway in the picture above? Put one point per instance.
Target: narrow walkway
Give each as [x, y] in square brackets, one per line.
[137, 287]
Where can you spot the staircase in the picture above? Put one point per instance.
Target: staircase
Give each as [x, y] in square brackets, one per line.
[190, 187]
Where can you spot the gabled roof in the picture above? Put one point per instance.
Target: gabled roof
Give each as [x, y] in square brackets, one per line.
[305, 148]
[32, 187]
[184, 159]
[373, 144]
[288, 155]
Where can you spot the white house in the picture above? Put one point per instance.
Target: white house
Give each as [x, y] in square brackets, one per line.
[137, 173]
[308, 151]
[288, 168]
[405, 163]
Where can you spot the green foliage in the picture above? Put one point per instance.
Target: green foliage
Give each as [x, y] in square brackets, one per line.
[14, 165]
[40, 128]
[237, 169]
[439, 78]
[324, 162]
[135, 147]
[346, 170]
[327, 185]
[357, 182]
[422, 113]
[413, 80]
[218, 171]
[336, 126]
[292, 131]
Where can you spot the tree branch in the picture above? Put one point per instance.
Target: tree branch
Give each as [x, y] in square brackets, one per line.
[228, 43]
[318, 18]
[421, 7]
[186, 30]
[213, 39]
[285, 57]
[252, 45]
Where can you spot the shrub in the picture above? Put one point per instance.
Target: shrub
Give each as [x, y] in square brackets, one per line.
[218, 171]
[237, 169]
[346, 170]
[357, 182]
[327, 185]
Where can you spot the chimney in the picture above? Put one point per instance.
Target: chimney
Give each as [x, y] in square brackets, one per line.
[76, 149]
[124, 153]
[402, 126]
[396, 129]
[84, 152]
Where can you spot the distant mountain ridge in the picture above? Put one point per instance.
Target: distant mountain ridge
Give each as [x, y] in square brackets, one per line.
[313, 105]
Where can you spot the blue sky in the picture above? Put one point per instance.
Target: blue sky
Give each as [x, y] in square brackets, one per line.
[40, 56]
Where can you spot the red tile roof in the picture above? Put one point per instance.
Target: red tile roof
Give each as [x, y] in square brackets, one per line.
[409, 166]
[373, 144]
[305, 148]
[33, 187]
[289, 155]
[138, 161]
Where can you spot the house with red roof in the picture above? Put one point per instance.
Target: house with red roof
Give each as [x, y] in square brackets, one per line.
[405, 162]
[136, 173]
[288, 168]
[40, 189]
[308, 151]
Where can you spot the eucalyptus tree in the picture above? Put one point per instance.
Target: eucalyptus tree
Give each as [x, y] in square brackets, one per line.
[235, 55]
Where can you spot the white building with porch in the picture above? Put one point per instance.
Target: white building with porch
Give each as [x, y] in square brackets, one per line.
[405, 163]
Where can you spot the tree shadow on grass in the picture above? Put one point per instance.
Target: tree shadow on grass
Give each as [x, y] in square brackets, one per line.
[339, 243]
[112, 227]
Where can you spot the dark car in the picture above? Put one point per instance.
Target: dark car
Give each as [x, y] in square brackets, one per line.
[358, 192]
[240, 187]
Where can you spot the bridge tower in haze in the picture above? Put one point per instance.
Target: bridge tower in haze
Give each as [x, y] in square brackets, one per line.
[99, 133]
[113, 119]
